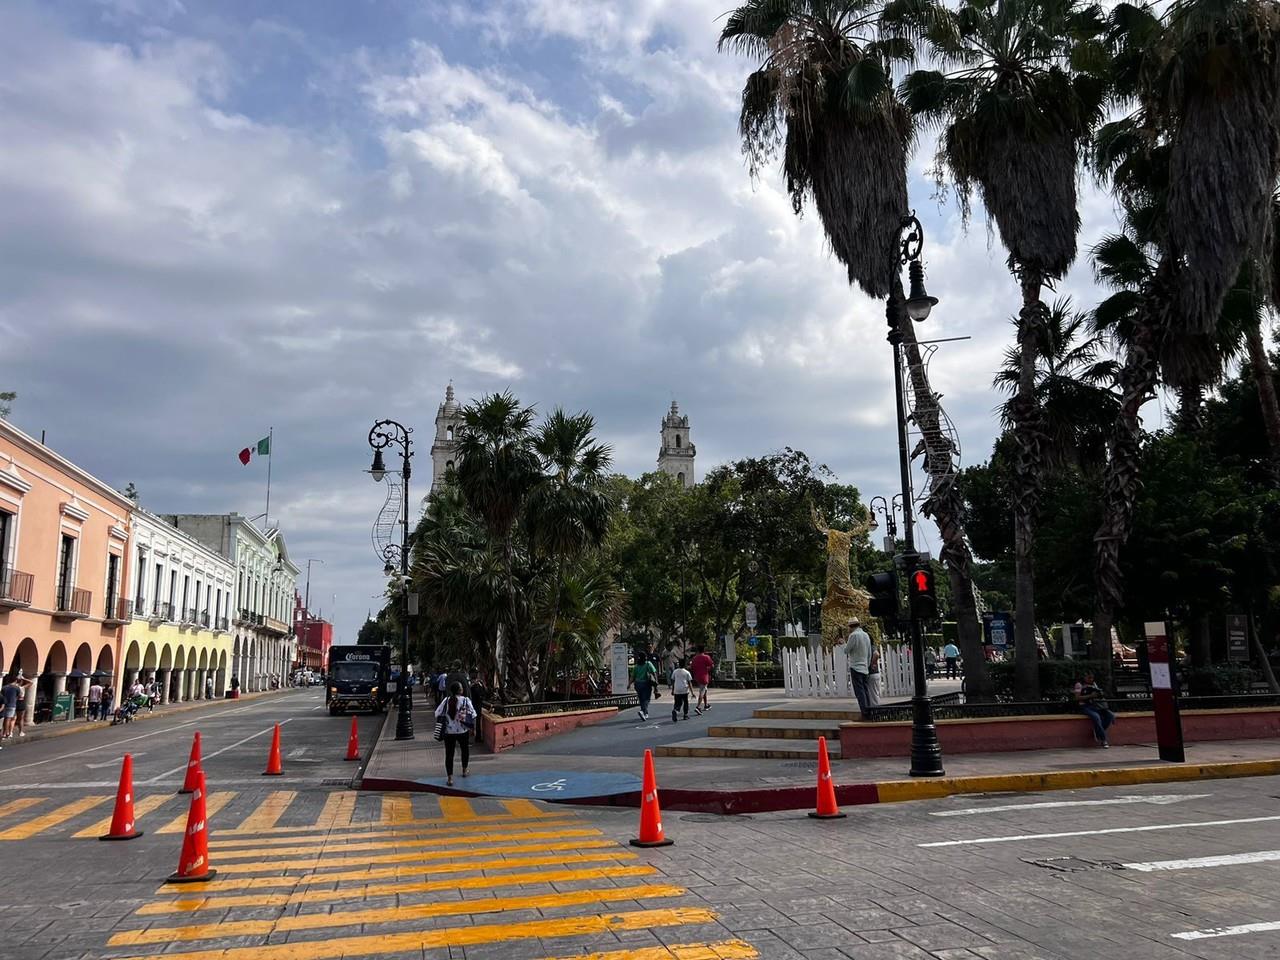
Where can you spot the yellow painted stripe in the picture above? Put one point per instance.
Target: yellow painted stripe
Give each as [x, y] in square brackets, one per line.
[396, 809]
[337, 812]
[457, 808]
[393, 843]
[313, 863]
[374, 826]
[30, 828]
[401, 914]
[17, 806]
[212, 804]
[390, 943]
[268, 812]
[384, 873]
[387, 889]
[723, 950]
[460, 832]
[140, 809]
[525, 808]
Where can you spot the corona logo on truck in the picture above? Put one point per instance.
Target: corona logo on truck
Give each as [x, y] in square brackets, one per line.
[357, 678]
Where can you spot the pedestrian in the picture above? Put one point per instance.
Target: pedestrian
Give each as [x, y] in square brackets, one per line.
[701, 668]
[479, 697]
[459, 676]
[951, 653]
[10, 694]
[858, 651]
[108, 700]
[25, 686]
[1092, 702]
[930, 662]
[441, 685]
[95, 699]
[681, 684]
[873, 678]
[459, 716]
[208, 689]
[235, 687]
[645, 677]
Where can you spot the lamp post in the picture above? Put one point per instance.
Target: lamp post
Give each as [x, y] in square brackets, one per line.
[926, 754]
[306, 614]
[384, 434]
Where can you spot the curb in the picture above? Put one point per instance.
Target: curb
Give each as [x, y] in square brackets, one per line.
[357, 781]
[891, 791]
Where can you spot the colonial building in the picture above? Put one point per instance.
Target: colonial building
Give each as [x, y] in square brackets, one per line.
[64, 557]
[315, 636]
[444, 446]
[183, 597]
[263, 645]
[675, 455]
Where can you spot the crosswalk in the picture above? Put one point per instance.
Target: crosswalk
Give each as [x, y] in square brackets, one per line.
[312, 876]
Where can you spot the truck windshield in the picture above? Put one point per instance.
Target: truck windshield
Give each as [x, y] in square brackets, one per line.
[361, 670]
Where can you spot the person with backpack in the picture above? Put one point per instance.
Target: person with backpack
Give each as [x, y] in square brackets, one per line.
[645, 677]
[457, 715]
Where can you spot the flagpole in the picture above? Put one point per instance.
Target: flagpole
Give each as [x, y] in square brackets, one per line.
[270, 446]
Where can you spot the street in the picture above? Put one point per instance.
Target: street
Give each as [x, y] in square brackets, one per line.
[308, 869]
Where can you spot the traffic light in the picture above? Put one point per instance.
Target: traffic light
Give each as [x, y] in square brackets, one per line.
[883, 588]
[922, 595]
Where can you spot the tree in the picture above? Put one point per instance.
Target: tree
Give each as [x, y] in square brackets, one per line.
[497, 468]
[6, 403]
[824, 93]
[1014, 118]
[375, 631]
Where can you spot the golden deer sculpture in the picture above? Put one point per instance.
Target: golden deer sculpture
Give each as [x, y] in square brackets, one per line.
[843, 599]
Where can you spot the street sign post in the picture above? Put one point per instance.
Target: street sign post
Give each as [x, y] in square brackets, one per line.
[750, 616]
[1237, 637]
[1164, 700]
[619, 669]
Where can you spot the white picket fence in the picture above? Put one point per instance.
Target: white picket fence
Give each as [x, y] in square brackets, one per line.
[818, 672]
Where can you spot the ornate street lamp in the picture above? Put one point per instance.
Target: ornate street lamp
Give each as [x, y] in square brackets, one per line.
[926, 754]
[384, 434]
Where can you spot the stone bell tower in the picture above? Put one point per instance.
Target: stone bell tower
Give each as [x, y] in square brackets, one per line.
[445, 444]
[675, 456]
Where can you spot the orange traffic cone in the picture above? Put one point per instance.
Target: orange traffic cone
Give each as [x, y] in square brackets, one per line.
[122, 822]
[193, 862]
[651, 834]
[353, 741]
[827, 809]
[274, 768]
[194, 768]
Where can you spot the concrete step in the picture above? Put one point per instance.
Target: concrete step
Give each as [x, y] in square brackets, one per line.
[780, 728]
[835, 712]
[748, 747]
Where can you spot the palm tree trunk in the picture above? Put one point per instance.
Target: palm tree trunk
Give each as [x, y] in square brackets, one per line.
[516, 655]
[544, 657]
[1028, 472]
[1267, 673]
[944, 506]
[1190, 407]
[1264, 376]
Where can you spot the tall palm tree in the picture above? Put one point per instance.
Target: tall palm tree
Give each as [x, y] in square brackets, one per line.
[568, 513]
[1014, 117]
[497, 469]
[824, 93]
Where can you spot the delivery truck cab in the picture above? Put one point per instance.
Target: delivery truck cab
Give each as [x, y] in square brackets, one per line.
[357, 678]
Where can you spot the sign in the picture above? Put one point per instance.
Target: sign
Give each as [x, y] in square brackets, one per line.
[413, 604]
[750, 616]
[1164, 699]
[999, 629]
[730, 649]
[753, 641]
[1237, 637]
[619, 668]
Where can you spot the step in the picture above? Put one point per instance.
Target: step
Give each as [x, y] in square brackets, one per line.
[780, 728]
[837, 712]
[747, 747]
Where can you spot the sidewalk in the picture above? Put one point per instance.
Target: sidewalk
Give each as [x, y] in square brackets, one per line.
[730, 785]
[61, 728]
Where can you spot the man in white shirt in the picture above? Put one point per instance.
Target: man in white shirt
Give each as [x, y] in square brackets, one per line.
[681, 682]
[95, 700]
[858, 651]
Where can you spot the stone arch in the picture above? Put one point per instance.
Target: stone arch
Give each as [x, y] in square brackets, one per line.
[4, 665]
[202, 671]
[680, 477]
[220, 676]
[56, 661]
[166, 657]
[151, 659]
[106, 660]
[83, 660]
[27, 658]
[132, 656]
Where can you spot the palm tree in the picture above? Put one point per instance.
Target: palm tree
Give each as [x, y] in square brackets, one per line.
[824, 93]
[1014, 118]
[569, 511]
[590, 604]
[497, 469]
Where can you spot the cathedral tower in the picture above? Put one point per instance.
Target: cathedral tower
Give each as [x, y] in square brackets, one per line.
[675, 456]
[443, 447]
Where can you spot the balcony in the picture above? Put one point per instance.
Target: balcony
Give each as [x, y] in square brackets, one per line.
[161, 612]
[140, 608]
[272, 625]
[221, 625]
[205, 619]
[73, 604]
[190, 617]
[119, 610]
[15, 587]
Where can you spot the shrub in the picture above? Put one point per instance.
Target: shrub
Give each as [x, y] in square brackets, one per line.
[1057, 677]
[1219, 680]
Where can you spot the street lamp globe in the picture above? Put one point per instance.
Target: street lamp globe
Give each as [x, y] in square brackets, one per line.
[378, 470]
[919, 303]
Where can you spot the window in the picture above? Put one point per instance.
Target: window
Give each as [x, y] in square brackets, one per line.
[173, 589]
[217, 607]
[6, 526]
[448, 464]
[186, 588]
[113, 583]
[155, 600]
[448, 433]
[677, 441]
[66, 571]
[142, 575]
[680, 477]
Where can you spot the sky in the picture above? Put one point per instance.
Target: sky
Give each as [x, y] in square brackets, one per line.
[223, 217]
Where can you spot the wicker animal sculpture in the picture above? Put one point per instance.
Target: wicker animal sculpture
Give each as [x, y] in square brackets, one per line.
[843, 599]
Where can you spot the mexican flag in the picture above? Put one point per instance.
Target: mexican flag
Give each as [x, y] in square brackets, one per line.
[262, 448]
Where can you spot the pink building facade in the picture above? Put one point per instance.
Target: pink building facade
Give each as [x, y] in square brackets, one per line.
[64, 557]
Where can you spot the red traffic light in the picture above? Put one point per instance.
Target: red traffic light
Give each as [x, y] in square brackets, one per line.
[924, 602]
[922, 581]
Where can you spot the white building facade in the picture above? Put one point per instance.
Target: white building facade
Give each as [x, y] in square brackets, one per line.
[263, 646]
[676, 453]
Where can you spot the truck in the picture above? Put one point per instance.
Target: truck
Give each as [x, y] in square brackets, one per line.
[357, 678]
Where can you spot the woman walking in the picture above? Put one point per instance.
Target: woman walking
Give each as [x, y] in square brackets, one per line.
[459, 716]
[645, 678]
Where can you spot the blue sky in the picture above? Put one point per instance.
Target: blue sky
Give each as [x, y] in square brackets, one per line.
[228, 216]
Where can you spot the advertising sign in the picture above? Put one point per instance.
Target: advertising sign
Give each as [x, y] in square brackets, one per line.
[619, 670]
[1165, 702]
[750, 616]
[1237, 637]
[999, 630]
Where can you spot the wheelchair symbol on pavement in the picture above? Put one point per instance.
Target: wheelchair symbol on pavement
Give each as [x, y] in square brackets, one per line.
[547, 787]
